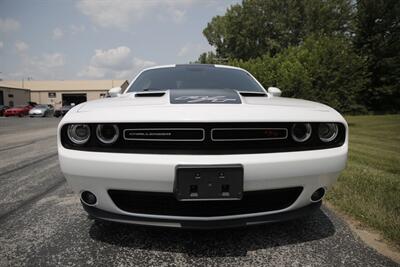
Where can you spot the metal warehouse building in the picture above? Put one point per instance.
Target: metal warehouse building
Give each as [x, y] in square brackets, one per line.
[13, 96]
[56, 93]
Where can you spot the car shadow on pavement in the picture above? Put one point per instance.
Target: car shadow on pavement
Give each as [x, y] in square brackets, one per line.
[214, 243]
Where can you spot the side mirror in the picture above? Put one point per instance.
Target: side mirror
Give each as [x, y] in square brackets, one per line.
[274, 91]
[114, 92]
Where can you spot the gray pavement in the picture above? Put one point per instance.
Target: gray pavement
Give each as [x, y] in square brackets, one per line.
[43, 224]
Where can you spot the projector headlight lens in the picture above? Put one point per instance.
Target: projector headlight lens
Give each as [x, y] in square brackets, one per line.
[78, 133]
[107, 133]
[327, 132]
[301, 132]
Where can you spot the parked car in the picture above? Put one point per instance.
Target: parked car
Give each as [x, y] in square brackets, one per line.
[62, 111]
[2, 109]
[41, 111]
[201, 146]
[20, 111]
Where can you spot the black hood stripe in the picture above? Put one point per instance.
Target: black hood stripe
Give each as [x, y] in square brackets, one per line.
[204, 96]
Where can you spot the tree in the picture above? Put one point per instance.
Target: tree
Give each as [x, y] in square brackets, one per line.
[377, 39]
[258, 27]
[210, 58]
[324, 69]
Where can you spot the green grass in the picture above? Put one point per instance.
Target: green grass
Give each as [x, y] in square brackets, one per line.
[369, 188]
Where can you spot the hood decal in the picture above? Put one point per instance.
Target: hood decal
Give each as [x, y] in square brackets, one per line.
[204, 96]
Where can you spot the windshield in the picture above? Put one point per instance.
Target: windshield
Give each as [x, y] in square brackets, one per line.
[194, 77]
[41, 106]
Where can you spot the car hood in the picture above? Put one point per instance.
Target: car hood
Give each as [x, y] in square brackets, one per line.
[200, 106]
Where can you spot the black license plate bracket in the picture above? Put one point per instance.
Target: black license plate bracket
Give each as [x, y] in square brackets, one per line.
[208, 182]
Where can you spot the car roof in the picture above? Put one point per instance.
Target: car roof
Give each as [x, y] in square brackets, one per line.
[193, 65]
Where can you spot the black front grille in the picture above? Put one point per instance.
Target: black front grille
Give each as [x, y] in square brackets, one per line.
[166, 203]
[205, 139]
[164, 134]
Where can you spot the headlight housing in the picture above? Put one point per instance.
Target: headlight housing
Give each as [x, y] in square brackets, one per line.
[301, 132]
[107, 133]
[327, 132]
[79, 134]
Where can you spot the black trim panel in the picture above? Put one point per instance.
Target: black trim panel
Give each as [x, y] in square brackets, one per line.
[210, 224]
[248, 134]
[207, 146]
[165, 134]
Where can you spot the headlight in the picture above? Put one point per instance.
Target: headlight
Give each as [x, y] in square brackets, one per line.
[107, 133]
[301, 132]
[78, 133]
[327, 132]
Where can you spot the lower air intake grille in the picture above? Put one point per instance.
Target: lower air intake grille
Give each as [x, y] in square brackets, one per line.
[166, 203]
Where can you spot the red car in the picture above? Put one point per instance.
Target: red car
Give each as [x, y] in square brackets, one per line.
[2, 109]
[19, 111]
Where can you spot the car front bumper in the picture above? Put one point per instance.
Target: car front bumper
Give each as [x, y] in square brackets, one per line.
[99, 172]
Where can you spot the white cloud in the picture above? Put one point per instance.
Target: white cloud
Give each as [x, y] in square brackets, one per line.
[178, 15]
[1, 45]
[191, 51]
[122, 14]
[49, 61]
[45, 66]
[115, 58]
[9, 25]
[118, 13]
[75, 29]
[183, 51]
[21, 47]
[92, 72]
[114, 63]
[41, 65]
[57, 33]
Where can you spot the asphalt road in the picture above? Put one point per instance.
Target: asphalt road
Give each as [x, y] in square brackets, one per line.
[43, 224]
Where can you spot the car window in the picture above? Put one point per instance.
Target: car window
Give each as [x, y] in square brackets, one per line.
[194, 77]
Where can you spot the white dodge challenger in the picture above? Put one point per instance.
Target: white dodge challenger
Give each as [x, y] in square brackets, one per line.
[201, 146]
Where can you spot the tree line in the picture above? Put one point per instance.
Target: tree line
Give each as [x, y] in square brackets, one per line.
[344, 53]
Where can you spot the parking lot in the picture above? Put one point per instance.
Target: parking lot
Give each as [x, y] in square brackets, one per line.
[43, 224]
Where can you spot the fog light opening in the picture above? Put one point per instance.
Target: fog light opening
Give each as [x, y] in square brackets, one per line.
[88, 198]
[318, 194]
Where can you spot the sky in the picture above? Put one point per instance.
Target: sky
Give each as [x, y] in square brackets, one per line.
[100, 39]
